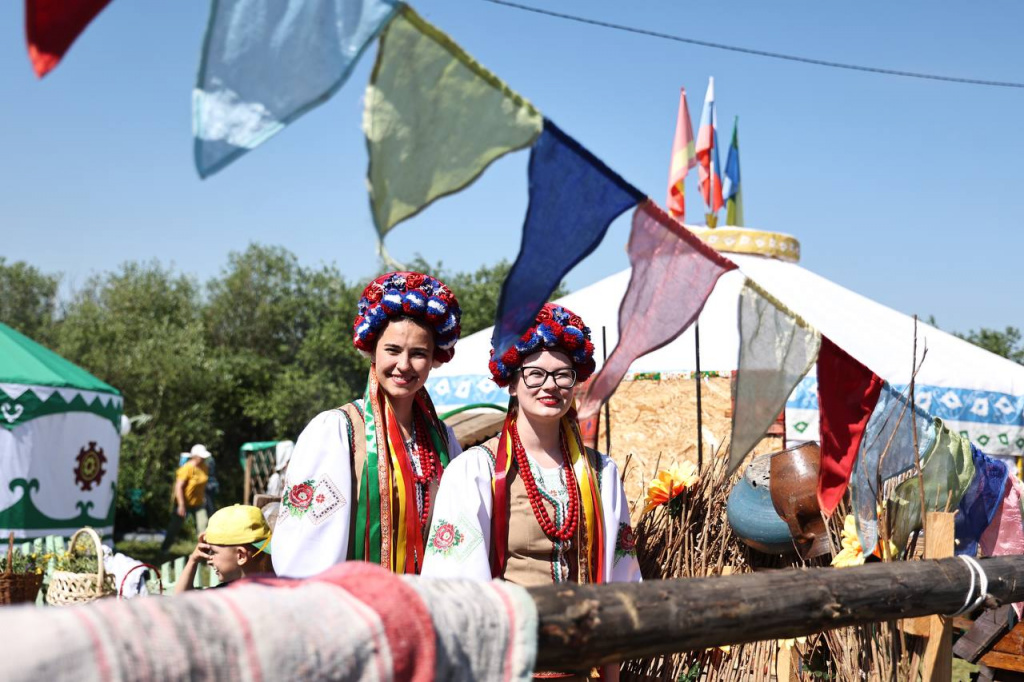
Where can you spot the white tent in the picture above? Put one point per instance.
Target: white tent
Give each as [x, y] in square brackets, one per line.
[975, 392]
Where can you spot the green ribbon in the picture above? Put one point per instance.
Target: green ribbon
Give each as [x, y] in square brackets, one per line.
[368, 507]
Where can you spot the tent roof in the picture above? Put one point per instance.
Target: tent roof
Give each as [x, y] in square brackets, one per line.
[25, 362]
[972, 390]
[878, 336]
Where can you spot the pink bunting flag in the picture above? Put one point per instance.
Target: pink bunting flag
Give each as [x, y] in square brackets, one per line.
[673, 275]
[51, 26]
[1005, 536]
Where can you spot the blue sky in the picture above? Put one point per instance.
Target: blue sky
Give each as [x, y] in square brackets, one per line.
[905, 191]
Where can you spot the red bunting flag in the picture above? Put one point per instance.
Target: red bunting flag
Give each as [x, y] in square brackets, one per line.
[51, 26]
[847, 394]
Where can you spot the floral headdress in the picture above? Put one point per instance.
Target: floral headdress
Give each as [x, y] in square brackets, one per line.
[408, 294]
[556, 328]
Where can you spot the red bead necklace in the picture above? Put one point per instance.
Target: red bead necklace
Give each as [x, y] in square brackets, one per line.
[429, 464]
[568, 529]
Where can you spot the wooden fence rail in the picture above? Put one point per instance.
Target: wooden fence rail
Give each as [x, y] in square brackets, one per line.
[582, 625]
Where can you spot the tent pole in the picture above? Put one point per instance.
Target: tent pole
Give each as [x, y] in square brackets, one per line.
[607, 408]
[700, 436]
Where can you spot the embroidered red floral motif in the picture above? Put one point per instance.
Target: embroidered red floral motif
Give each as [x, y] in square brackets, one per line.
[320, 499]
[446, 537]
[625, 543]
[299, 498]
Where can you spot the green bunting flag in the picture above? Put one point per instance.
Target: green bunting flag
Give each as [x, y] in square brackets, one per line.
[434, 120]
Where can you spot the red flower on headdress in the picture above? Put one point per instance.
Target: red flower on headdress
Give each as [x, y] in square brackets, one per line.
[414, 280]
[373, 294]
[544, 315]
[555, 328]
[571, 341]
[511, 357]
[576, 321]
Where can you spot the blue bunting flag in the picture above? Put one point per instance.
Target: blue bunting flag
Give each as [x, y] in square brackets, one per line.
[574, 197]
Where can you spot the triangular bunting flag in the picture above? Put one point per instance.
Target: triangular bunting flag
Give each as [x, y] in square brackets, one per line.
[434, 120]
[948, 471]
[52, 26]
[573, 199]
[887, 444]
[673, 275]
[981, 501]
[777, 348]
[265, 63]
[847, 395]
[1005, 536]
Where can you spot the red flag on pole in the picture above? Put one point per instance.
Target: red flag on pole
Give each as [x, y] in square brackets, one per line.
[684, 157]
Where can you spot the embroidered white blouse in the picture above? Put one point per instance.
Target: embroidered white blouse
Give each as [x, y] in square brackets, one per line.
[312, 530]
[460, 535]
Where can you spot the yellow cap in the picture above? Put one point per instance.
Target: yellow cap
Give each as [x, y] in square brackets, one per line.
[239, 524]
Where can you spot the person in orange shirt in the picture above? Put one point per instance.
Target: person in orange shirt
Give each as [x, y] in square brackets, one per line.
[189, 495]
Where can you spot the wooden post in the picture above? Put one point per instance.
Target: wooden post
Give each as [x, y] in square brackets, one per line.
[247, 483]
[938, 653]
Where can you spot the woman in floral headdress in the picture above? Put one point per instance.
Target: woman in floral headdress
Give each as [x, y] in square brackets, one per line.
[534, 506]
[363, 478]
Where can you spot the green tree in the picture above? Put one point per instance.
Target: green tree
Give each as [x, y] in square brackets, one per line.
[1006, 343]
[478, 292]
[28, 300]
[140, 329]
[282, 338]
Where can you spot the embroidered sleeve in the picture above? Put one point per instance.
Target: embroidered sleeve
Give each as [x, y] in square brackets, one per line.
[313, 524]
[620, 542]
[458, 544]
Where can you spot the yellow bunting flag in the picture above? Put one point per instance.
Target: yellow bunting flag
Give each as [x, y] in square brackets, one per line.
[434, 120]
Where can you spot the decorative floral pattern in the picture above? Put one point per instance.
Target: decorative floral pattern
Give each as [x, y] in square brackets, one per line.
[445, 538]
[408, 294]
[625, 542]
[315, 500]
[298, 498]
[555, 327]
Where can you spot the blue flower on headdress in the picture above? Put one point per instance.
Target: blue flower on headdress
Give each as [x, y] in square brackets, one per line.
[547, 334]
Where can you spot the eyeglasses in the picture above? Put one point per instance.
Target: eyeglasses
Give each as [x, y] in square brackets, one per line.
[535, 377]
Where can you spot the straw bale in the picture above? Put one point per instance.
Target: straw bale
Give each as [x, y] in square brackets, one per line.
[654, 425]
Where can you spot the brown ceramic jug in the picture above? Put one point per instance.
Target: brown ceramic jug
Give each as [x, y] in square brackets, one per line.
[794, 488]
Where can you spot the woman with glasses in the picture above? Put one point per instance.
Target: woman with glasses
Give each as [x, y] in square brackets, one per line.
[534, 506]
[363, 477]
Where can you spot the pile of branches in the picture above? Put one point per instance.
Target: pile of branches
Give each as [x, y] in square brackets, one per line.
[690, 537]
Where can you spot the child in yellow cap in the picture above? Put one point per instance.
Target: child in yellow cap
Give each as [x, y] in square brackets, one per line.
[236, 545]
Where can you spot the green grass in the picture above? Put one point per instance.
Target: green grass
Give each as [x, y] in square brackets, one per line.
[149, 552]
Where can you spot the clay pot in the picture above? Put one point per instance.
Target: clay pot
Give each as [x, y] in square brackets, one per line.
[752, 515]
[794, 493]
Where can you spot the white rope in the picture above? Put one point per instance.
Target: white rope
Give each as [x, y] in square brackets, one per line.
[972, 602]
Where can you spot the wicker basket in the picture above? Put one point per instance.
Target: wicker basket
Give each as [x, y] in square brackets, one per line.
[68, 589]
[17, 588]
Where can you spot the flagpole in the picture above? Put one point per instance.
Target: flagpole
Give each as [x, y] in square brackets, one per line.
[700, 435]
[607, 408]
